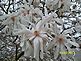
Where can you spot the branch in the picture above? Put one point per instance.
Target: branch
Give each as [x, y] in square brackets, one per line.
[16, 52]
[8, 7]
[3, 9]
[20, 54]
[66, 29]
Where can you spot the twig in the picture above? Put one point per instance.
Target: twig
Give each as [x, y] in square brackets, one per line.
[16, 53]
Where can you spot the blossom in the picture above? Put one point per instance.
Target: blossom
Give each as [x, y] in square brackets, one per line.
[37, 35]
[10, 19]
[34, 2]
[61, 43]
[10, 22]
[65, 4]
[52, 4]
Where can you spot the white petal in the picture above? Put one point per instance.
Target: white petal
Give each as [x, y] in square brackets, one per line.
[44, 21]
[30, 1]
[36, 48]
[41, 48]
[22, 26]
[49, 45]
[73, 43]
[58, 20]
[57, 52]
[31, 38]
[22, 43]
[67, 4]
[5, 29]
[29, 50]
[78, 28]
[23, 32]
[63, 50]
[23, 40]
[59, 5]
[8, 21]
[25, 21]
[43, 35]
[68, 47]
[68, 31]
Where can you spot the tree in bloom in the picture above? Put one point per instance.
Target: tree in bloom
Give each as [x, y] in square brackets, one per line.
[44, 29]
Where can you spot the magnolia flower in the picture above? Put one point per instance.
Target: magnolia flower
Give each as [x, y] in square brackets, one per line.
[26, 46]
[25, 6]
[36, 13]
[37, 35]
[11, 22]
[52, 4]
[61, 43]
[34, 2]
[25, 17]
[10, 19]
[15, 18]
[64, 4]
[32, 16]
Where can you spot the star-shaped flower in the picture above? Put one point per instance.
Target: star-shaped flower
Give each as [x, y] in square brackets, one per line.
[62, 43]
[37, 35]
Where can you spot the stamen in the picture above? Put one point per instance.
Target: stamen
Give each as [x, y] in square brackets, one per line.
[60, 39]
[13, 18]
[36, 33]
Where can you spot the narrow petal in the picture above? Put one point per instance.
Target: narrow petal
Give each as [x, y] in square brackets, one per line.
[73, 43]
[68, 48]
[43, 35]
[24, 31]
[59, 21]
[41, 48]
[8, 21]
[56, 52]
[29, 50]
[31, 38]
[49, 45]
[22, 26]
[63, 50]
[36, 48]
[23, 45]
[45, 38]
[44, 21]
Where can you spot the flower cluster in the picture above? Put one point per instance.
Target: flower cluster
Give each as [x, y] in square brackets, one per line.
[41, 29]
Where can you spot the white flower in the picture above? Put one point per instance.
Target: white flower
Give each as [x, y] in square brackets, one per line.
[55, 4]
[35, 2]
[52, 4]
[26, 46]
[62, 44]
[11, 19]
[37, 35]
[36, 13]
[65, 3]
[25, 6]
[11, 22]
